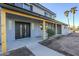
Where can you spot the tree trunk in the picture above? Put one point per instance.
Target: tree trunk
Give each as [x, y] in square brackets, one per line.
[73, 23]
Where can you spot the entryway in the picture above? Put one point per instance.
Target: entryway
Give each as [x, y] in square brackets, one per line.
[22, 30]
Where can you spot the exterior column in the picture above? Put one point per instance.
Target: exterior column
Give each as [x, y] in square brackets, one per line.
[44, 30]
[3, 31]
[55, 29]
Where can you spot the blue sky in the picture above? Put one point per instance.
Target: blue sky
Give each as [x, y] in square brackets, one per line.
[59, 9]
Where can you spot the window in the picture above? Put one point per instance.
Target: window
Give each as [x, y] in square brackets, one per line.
[27, 6]
[19, 5]
[31, 7]
[20, 30]
[53, 16]
[47, 14]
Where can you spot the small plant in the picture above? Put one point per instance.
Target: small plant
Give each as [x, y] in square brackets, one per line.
[50, 32]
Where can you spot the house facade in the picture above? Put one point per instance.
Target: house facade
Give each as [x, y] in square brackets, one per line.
[27, 20]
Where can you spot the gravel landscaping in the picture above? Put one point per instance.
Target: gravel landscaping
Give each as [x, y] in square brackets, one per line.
[21, 52]
[68, 45]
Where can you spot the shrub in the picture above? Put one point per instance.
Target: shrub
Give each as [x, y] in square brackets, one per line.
[50, 32]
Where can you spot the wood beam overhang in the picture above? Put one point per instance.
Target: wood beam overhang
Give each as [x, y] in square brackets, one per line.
[44, 30]
[3, 31]
[26, 15]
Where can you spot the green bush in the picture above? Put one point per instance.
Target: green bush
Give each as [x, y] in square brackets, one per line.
[50, 32]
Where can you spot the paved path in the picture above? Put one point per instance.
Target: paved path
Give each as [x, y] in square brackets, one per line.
[40, 50]
[15, 44]
[34, 46]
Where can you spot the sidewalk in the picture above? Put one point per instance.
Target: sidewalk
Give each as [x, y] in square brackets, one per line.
[40, 50]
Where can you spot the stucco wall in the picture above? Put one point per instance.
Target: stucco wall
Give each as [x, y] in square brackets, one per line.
[38, 10]
[65, 30]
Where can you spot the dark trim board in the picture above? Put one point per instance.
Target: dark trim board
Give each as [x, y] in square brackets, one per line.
[22, 30]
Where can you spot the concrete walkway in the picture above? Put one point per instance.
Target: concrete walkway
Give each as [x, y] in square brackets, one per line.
[33, 45]
[15, 44]
[40, 50]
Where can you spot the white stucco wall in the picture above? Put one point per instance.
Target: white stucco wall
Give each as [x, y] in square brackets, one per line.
[0, 27]
[38, 10]
[65, 30]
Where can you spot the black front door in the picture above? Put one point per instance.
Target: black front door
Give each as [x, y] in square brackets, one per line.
[17, 30]
[22, 30]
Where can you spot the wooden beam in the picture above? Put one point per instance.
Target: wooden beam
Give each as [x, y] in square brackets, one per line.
[3, 31]
[44, 30]
[26, 15]
[21, 14]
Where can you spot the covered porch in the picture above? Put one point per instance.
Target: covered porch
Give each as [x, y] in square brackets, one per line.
[13, 44]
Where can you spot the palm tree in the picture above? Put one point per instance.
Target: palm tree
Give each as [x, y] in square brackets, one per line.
[66, 13]
[73, 11]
